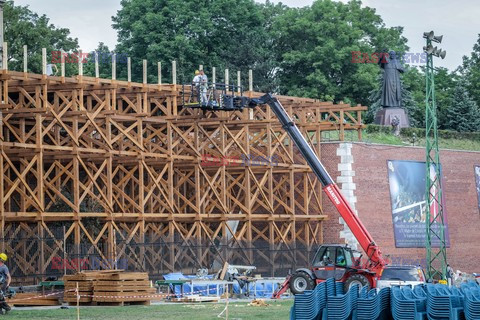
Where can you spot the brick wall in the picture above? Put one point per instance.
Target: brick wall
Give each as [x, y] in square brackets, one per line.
[374, 206]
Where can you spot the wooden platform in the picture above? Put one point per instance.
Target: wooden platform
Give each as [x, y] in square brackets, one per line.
[196, 298]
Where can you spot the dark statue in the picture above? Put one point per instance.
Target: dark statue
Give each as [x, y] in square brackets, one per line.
[392, 86]
[392, 113]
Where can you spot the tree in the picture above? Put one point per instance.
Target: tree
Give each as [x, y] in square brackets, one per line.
[104, 62]
[470, 69]
[463, 115]
[24, 27]
[316, 45]
[223, 33]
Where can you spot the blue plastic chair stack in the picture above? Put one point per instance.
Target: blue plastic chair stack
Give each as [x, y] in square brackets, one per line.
[340, 307]
[368, 305]
[442, 303]
[385, 311]
[331, 289]
[471, 302]
[310, 304]
[339, 288]
[407, 307]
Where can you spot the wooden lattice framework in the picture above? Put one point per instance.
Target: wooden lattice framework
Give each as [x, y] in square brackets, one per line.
[116, 170]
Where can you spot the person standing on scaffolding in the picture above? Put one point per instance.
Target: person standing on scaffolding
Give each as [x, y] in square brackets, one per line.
[203, 88]
[196, 85]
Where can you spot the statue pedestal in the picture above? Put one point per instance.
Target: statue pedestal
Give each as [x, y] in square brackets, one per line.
[385, 116]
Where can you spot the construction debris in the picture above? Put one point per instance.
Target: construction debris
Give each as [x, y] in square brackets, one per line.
[258, 303]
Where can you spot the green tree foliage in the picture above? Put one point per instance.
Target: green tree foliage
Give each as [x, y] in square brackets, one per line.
[231, 34]
[24, 27]
[463, 115]
[471, 70]
[315, 46]
[104, 62]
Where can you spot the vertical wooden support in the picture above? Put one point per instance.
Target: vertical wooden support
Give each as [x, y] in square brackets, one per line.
[25, 59]
[250, 80]
[80, 63]
[342, 125]
[114, 66]
[160, 73]
[63, 65]
[5, 56]
[200, 67]
[239, 81]
[129, 69]
[144, 71]
[214, 76]
[97, 70]
[174, 72]
[44, 61]
[226, 80]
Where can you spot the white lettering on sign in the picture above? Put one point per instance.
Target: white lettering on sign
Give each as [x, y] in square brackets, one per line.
[333, 196]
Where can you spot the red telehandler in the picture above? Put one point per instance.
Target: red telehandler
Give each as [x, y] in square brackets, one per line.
[331, 260]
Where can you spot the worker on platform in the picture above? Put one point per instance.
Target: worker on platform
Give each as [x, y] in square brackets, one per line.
[196, 84]
[203, 88]
[50, 68]
[5, 275]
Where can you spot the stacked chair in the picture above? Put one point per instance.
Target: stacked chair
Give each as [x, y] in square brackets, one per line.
[406, 305]
[444, 303]
[310, 304]
[341, 306]
[373, 304]
[471, 292]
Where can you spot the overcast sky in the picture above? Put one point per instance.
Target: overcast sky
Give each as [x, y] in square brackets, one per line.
[90, 21]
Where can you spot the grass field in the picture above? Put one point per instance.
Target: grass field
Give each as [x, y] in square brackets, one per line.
[382, 138]
[276, 310]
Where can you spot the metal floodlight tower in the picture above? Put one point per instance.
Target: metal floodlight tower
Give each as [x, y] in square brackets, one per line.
[435, 224]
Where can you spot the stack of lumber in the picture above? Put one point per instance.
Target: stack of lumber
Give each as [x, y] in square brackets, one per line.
[84, 280]
[123, 287]
[33, 299]
[115, 287]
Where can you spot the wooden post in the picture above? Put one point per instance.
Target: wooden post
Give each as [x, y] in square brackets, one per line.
[250, 80]
[114, 66]
[5, 56]
[25, 58]
[174, 72]
[200, 67]
[144, 71]
[129, 69]
[64, 252]
[80, 64]
[63, 64]
[214, 76]
[159, 73]
[226, 80]
[239, 81]
[44, 61]
[78, 302]
[97, 71]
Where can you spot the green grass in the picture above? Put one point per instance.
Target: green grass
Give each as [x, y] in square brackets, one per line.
[383, 138]
[276, 310]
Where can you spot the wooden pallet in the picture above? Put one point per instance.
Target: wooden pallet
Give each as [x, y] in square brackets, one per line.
[33, 299]
[196, 298]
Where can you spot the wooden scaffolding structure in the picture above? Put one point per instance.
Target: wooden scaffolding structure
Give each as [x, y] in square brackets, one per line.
[120, 171]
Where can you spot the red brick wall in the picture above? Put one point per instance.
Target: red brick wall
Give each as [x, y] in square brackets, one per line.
[374, 206]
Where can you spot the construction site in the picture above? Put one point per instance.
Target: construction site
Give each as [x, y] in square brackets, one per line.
[212, 200]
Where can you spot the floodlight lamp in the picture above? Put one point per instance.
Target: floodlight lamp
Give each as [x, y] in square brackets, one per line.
[428, 35]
